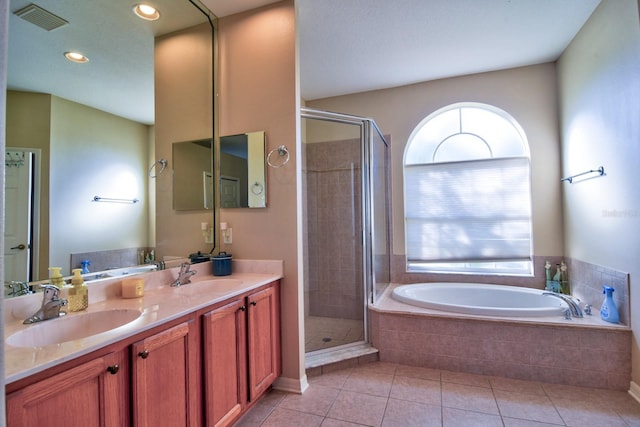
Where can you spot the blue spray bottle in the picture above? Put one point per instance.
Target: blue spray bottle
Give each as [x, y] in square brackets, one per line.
[609, 311]
[85, 263]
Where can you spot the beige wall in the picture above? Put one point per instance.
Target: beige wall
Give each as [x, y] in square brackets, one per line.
[258, 92]
[94, 153]
[85, 153]
[599, 81]
[183, 91]
[528, 94]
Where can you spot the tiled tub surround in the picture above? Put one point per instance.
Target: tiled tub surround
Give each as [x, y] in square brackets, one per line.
[107, 260]
[586, 280]
[160, 304]
[580, 352]
[586, 284]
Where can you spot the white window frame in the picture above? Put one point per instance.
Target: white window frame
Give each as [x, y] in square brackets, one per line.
[420, 256]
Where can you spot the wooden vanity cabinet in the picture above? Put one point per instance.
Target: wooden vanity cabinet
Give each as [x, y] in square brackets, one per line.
[263, 326]
[158, 377]
[95, 393]
[164, 378]
[225, 363]
[241, 354]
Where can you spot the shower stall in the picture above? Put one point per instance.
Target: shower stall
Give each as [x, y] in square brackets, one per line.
[345, 173]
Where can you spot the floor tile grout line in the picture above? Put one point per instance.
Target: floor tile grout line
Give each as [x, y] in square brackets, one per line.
[394, 374]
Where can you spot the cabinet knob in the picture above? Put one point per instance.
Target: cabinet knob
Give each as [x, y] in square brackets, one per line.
[243, 308]
[253, 303]
[113, 369]
[144, 354]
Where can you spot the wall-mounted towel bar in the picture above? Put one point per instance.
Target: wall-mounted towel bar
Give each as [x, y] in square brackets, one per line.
[112, 200]
[599, 171]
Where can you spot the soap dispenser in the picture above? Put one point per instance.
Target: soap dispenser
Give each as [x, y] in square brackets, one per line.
[609, 311]
[56, 277]
[78, 296]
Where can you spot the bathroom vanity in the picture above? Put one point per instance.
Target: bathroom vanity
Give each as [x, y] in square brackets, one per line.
[197, 354]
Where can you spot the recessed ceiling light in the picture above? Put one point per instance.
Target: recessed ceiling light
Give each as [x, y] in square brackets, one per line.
[147, 12]
[76, 57]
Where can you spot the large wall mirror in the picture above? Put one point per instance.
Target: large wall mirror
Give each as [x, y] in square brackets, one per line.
[242, 171]
[82, 134]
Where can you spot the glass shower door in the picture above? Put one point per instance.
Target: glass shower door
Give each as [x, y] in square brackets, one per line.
[334, 286]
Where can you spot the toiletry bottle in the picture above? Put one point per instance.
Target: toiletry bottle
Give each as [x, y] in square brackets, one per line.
[56, 277]
[609, 311]
[556, 279]
[79, 292]
[85, 266]
[547, 273]
[564, 279]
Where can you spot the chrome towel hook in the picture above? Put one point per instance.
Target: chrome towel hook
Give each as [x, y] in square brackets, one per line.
[282, 152]
[163, 164]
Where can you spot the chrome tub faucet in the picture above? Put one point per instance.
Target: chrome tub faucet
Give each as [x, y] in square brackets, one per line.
[184, 276]
[574, 306]
[51, 304]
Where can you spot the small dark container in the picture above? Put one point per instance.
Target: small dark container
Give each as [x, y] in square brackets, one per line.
[221, 264]
[199, 257]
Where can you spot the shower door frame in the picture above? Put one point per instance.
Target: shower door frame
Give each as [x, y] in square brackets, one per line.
[367, 232]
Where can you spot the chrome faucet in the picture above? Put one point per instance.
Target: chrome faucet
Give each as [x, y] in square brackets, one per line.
[50, 307]
[184, 276]
[574, 305]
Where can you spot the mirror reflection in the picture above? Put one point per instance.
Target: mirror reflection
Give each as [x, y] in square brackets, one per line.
[192, 175]
[80, 130]
[242, 171]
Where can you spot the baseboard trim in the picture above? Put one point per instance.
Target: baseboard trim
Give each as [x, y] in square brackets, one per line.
[634, 391]
[291, 385]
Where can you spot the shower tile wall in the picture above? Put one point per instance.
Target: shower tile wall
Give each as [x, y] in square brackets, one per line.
[334, 218]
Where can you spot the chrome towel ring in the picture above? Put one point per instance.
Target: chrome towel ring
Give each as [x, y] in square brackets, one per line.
[163, 164]
[282, 152]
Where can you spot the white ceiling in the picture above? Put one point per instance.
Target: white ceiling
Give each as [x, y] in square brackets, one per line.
[361, 45]
[346, 46]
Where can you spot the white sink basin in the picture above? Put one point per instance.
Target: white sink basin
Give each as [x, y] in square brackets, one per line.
[72, 327]
[208, 286]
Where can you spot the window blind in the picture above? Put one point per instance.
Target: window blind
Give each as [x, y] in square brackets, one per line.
[470, 211]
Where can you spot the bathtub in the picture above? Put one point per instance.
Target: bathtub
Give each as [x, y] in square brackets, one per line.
[550, 349]
[481, 299]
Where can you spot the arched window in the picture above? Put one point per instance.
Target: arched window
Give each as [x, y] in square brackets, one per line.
[467, 193]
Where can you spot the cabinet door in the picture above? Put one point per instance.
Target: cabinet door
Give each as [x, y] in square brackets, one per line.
[263, 327]
[225, 363]
[164, 374]
[91, 394]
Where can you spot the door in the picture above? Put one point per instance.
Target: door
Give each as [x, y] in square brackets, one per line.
[225, 363]
[164, 375]
[92, 394]
[263, 325]
[229, 192]
[18, 192]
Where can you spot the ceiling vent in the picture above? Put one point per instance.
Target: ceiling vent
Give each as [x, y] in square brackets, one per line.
[40, 17]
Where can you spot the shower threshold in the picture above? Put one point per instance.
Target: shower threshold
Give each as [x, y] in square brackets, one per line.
[341, 353]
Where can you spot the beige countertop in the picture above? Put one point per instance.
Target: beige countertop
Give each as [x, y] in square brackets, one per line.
[161, 303]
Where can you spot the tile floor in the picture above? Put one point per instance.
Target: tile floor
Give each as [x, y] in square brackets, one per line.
[383, 394]
[325, 332]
